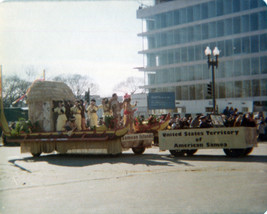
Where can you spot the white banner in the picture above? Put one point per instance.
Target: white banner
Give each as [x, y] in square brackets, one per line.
[209, 138]
[137, 137]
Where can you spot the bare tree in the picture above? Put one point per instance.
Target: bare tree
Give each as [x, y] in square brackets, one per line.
[13, 88]
[79, 84]
[130, 86]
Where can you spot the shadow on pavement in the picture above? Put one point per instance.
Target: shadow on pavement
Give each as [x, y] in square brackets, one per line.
[76, 160]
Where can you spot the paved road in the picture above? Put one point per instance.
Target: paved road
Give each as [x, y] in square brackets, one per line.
[154, 182]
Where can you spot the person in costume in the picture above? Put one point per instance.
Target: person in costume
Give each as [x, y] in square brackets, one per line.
[76, 110]
[116, 107]
[128, 112]
[83, 115]
[61, 119]
[91, 111]
[106, 108]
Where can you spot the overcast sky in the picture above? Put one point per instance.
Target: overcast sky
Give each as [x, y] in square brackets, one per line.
[93, 38]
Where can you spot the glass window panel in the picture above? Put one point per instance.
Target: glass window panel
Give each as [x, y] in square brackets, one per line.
[255, 66]
[198, 72]
[237, 46]
[263, 64]
[212, 30]
[183, 35]
[237, 67]
[177, 38]
[236, 24]
[184, 73]
[189, 14]
[220, 45]
[263, 20]
[178, 94]
[238, 89]
[184, 94]
[221, 70]
[227, 5]
[228, 47]
[219, 7]
[206, 72]
[245, 45]
[163, 39]
[170, 57]
[236, 5]
[199, 92]
[177, 55]
[170, 37]
[229, 89]
[178, 77]
[190, 33]
[256, 88]
[245, 23]
[246, 88]
[254, 25]
[254, 44]
[157, 40]
[244, 4]
[190, 70]
[205, 31]
[151, 79]
[198, 53]
[184, 54]
[158, 21]
[196, 12]
[229, 68]
[176, 17]
[192, 93]
[182, 15]
[246, 67]
[221, 93]
[211, 9]
[172, 75]
[220, 28]
[197, 32]
[228, 27]
[264, 87]
[253, 4]
[151, 42]
[191, 53]
[169, 19]
[163, 20]
[204, 11]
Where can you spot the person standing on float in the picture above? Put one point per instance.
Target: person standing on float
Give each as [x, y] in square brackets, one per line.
[61, 119]
[128, 112]
[116, 106]
[76, 110]
[91, 111]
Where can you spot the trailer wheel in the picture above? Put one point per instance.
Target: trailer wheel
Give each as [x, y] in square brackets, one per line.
[234, 153]
[190, 152]
[177, 153]
[138, 150]
[4, 140]
[36, 155]
[248, 151]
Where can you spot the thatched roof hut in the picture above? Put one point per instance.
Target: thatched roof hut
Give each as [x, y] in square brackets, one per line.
[40, 101]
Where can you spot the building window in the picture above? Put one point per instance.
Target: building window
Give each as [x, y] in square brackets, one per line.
[177, 55]
[237, 46]
[263, 65]
[196, 12]
[263, 20]
[236, 24]
[245, 45]
[219, 7]
[244, 4]
[227, 5]
[245, 23]
[221, 93]
[212, 30]
[263, 42]
[229, 68]
[192, 93]
[256, 88]
[228, 47]
[228, 27]
[198, 53]
[184, 94]
[184, 54]
[255, 66]
[254, 42]
[204, 11]
[178, 74]
[236, 5]
[221, 70]
[237, 68]
[178, 94]
[220, 45]
[246, 67]
[205, 31]
[238, 89]
[229, 89]
[254, 25]
[220, 28]
[199, 92]
[264, 87]
[246, 88]
[182, 16]
[189, 14]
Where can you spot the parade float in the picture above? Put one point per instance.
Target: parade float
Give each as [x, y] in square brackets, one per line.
[235, 141]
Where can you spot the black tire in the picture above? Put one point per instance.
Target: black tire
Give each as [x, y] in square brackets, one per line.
[138, 150]
[36, 155]
[177, 153]
[190, 152]
[234, 153]
[248, 151]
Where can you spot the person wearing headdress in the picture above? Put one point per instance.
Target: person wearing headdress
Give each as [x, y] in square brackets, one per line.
[128, 112]
[116, 106]
[91, 112]
[61, 119]
[83, 115]
[70, 124]
[76, 110]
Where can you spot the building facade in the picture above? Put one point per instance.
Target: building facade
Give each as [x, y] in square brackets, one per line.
[174, 39]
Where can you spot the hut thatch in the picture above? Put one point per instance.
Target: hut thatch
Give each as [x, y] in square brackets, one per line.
[40, 101]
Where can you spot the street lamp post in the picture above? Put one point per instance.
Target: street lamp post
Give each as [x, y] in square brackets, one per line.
[213, 63]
